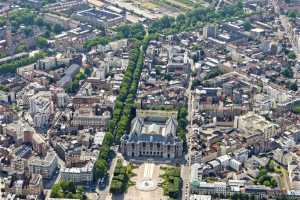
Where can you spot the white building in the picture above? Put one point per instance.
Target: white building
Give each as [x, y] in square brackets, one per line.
[44, 166]
[224, 160]
[41, 108]
[62, 99]
[41, 120]
[196, 172]
[251, 123]
[86, 117]
[78, 175]
[241, 155]
[4, 97]
[209, 188]
[200, 197]
[234, 164]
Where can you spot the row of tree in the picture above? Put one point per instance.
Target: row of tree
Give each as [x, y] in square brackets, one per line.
[96, 41]
[195, 18]
[124, 107]
[105, 155]
[68, 190]
[12, 66]
[74, 85]
[28, 17]
[171, 182]
[136, 31]
[182, 124]
[121, 179]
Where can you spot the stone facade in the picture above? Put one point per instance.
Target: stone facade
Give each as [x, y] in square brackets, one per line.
[152, 137]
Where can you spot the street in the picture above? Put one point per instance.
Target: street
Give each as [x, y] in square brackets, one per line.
[104, 194]
[186, 168]
[287, 28]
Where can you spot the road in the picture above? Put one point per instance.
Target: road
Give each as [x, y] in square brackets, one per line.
[186, 168]
[288, 28]
[219, 4]
[104, 194]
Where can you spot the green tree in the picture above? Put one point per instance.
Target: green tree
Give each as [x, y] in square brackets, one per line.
[2, 21]
[136, 31]
[108, 139]
[100, 169]
[28, 32]
[247, 26]
[45, 2]
[22, 48]
[87, 71]
[293, 86]
[288, 72]
[292, 14]
[80, 76]
[66, 189]
[11, 67]
[39, 22]
[4, 88]
[57, 28]
[292, 55]
[42, 42]
[96, 41]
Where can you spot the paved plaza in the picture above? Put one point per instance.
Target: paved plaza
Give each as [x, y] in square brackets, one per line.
[147, 180]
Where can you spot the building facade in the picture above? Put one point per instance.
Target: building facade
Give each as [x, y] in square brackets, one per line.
[152, 137]
[46, 166]
[79, 175]
[252, 122]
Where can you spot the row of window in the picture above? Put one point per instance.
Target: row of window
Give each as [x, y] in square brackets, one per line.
[150, 153]
[151, 146]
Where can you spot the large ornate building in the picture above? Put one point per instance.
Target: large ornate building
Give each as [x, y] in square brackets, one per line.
[152, 136]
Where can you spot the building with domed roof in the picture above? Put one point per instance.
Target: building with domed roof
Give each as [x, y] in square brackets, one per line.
[152, 136]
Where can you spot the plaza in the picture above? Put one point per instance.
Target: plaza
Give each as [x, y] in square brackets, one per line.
[147, 180]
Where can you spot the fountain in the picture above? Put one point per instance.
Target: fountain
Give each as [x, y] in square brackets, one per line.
[146, 185]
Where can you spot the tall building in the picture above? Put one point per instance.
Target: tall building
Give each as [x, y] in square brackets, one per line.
[209, 31]
[41, 108]
[152, 136]
[62, 99]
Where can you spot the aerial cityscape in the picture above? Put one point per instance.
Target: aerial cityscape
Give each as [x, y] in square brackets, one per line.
[150, 99]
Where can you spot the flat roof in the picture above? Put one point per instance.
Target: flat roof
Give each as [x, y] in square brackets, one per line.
[101, 15]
